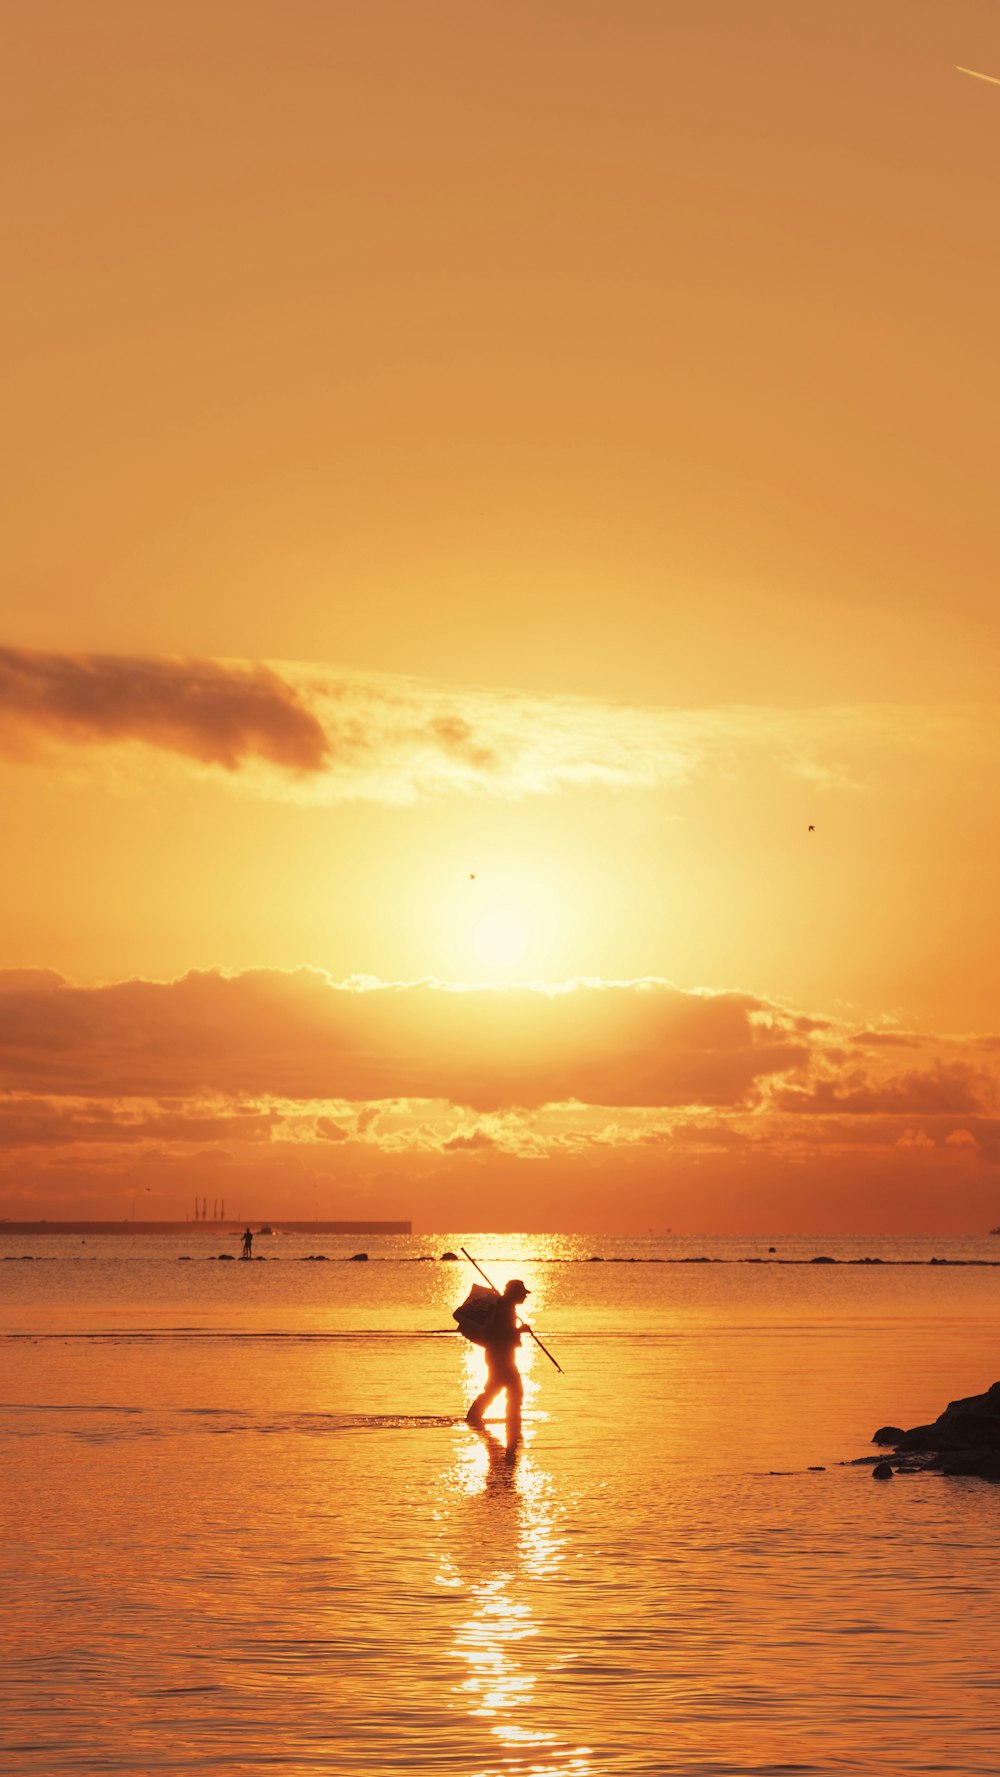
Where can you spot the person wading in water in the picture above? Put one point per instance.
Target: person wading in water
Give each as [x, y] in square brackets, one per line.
[501, 1362]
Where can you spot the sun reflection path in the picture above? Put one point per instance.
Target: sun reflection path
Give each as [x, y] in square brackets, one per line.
[505, 1548]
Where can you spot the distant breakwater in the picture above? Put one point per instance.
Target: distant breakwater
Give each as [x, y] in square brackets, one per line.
[229, 1226]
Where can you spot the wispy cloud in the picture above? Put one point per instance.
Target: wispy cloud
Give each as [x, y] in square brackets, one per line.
[317, 734]
[993, 79]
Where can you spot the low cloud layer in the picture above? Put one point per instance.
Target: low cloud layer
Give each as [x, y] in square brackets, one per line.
[300, 1036]
[314, 1080]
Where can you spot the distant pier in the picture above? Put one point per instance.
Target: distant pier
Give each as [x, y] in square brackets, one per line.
[229, 1226]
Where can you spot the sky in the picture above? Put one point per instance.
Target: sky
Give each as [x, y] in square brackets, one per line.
[499, 644]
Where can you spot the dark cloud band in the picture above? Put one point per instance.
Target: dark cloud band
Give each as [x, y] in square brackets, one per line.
[209, 711]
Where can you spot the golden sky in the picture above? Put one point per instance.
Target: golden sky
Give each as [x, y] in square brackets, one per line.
[498, 711]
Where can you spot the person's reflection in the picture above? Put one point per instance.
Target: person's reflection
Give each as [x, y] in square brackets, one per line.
[504, 1546]
[497, 1684]
[501, 1461]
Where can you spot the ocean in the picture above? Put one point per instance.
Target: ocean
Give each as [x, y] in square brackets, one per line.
[245, 1527]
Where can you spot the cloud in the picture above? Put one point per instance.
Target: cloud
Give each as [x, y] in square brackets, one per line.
[328, 1130]
[943, 1090]
[318, 734]
[301, 1036]
[30, 1121]
[473, 1141]
[210, 711]
[422, 1089]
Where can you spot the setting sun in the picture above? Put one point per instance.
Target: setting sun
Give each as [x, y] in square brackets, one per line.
[500, 940]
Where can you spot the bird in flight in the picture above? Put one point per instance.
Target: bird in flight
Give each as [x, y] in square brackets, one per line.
[811, 827]
[472, 876]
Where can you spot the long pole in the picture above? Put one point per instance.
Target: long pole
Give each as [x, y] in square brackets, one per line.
[496, 1292]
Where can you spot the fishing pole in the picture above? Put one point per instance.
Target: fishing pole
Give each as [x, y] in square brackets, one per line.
[496, 1292]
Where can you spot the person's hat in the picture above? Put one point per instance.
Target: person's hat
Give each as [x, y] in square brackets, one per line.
[521, 1288]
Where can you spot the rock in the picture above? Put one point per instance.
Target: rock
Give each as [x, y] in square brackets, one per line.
[963, 1440]
[817, 1468]
[882, 1471]
[356, 1256]
[823, 1259]
[595, 1259]
[229, 1257]
[919, 1437]
[453, 1256]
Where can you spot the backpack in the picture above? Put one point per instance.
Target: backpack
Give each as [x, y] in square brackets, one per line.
[476, 1314]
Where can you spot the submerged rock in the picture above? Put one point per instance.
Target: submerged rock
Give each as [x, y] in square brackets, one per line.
[963, 1440]
[882, 1471]
[450, 1256]
[356, 1256]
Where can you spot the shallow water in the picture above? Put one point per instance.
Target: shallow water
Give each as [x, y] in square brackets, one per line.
[246, 1528]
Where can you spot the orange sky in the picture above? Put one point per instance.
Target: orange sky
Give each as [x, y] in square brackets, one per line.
[550, 445]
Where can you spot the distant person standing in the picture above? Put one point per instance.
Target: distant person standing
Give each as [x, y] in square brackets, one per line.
[501, 1362]
[248, 1245]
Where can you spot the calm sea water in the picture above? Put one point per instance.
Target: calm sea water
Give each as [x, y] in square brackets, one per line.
[244, 1527]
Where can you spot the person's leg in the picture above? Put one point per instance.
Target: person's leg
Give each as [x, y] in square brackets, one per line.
[482, 1401]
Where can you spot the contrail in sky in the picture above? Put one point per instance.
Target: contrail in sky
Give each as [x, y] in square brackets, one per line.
[992, 78]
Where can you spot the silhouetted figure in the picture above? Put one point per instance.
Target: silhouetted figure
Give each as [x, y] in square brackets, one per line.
[248, 1245]
[501, 1363]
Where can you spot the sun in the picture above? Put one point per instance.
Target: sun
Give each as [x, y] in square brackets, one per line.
[500, 940]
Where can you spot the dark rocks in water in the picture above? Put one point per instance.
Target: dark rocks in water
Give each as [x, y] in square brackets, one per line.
[356, 1256]
[453, 1256]
[229, 1257]
[817, 1468]
[313, 1259]
[772, 1249]
[822, 1259]
[184, 1259]
[595, 1259]
[883, 1471]
[963, 1440]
